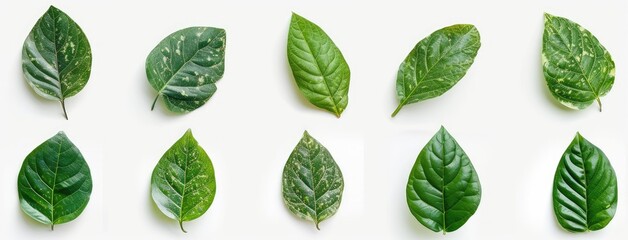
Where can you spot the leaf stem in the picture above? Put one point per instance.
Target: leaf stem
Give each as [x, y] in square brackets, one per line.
[153, 107]
[181, 226]
[397, 110]
[317, 228]
[52, 227]
[65, 113]
[599, 103]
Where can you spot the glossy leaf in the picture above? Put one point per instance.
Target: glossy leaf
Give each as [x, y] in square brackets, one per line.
[312, 182]
[436, 64]
[577, 68]
[185, 66]
[585, 188]
[443, 190]
[56, 57]
[183, 182]
[54, 183]
[319, 69]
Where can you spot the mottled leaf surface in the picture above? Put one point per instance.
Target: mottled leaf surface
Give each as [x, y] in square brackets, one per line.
[185, 66]
[443, 190]
[54, 183]
[585, 188]
[183, 182]
[56, 57]
[312, 182]
[577, 68]
[319, 69]
[436, 64]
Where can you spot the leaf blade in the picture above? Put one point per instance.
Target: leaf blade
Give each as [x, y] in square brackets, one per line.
[312, 183]
[185, 66]
[56, 57]
[443, 189]
[435, 65]
[577, 68]
[54, 183]
[585, 188]
[318, 66]
[183, 183]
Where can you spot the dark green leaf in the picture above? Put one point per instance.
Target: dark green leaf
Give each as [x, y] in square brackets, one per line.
[319, 69]
[585, 188]
[183, 182]
[56, 57]
[312, 182]
[436, 64]
[185, 66]
[443, 190]
[577, 68]
[54, 183]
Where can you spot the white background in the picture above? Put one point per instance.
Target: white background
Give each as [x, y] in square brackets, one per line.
[500, 112]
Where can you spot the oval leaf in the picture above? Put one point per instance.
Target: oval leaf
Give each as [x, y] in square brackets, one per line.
[312, 182]
[443, 190]
[183, 182]
[585, 188]
[577, 68]
[319, 69]
[54, 183]
[185, 66]
[436, 64]
[56, 57]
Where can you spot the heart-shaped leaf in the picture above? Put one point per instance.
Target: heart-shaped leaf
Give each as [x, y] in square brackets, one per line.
[56, 57]
[319, 69]
[183, 182]
[312, 182]
[185, 66]
[577, 68]
[443, 190]
[585, 188]
[436, 64]
[54, 183]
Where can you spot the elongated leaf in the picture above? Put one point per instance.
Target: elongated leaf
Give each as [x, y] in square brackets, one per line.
[436, 64]
[585, 188]
[54, 183]
[319, 69]
[312, 182]
[185, 66]
[443, 189]
[56, 57]
[577, 68]
[183, 182]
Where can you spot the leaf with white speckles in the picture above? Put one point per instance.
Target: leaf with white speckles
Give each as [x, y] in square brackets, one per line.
[56, 57]
[183, 182]
[318, 66]
[577, 68]
[185, 66]
[54, 183]
[443, 189]
[436, 64]
[312, 182]
[585, 188]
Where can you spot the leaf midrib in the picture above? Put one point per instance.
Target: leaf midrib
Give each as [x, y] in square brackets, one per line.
[585, 183]
[54, 184]
[405, 99]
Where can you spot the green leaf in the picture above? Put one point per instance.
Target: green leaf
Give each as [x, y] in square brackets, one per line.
[319, 69]
[185, 66]
[577, 68]
[183, 182]
[312, 182]
[54, 183]
[436, 64]
[585, 188]
[443, 190]
[56, 57]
